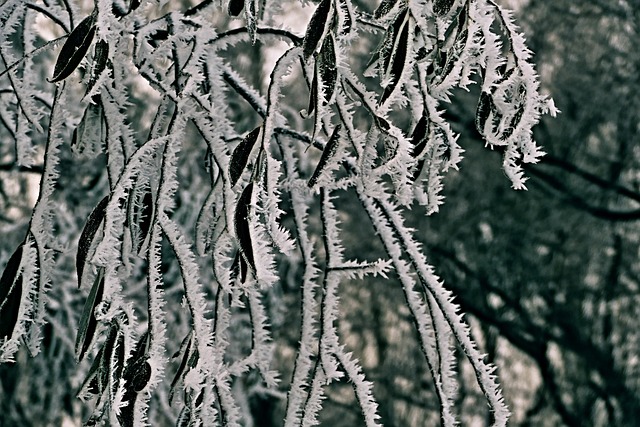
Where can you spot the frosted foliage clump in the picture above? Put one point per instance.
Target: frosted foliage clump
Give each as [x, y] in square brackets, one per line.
[203, 190]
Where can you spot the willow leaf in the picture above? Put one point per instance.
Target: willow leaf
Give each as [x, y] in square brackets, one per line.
[316, 28]
[136, 376]
[327, 154]
[346, 18]
[235, 7]
[88, 234]
[420, 136]
[442, 7]
[242, 225]
[116, 363]
[384, 8]
[399, 56]
[313, 95]
[250, 16]
[240, 156]
[88, 321]
[91, 380]
[485, 105]
[10, 294]
[327, 68]
[74, 48]
[100, 56]
[185, 349]
[140, 216]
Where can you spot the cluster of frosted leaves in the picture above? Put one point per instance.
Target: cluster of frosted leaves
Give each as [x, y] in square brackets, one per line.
[229, 248]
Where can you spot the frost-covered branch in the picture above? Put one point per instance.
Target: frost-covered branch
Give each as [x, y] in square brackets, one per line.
[227, 192]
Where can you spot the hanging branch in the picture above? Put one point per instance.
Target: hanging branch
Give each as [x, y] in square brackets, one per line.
[228, 195]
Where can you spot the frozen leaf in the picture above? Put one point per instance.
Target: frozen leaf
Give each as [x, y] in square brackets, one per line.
[140, 375]
[74, 48]
[442, 7]
[88, 321]
[240, 155]
[384, 8]
[157, 37]
[327, 154]
[100, 57]
[105, 360]
[235, 7]
[239, 268]
[87, 138]
[391, 44]
[10, 294]
[133, 5]
[136, 376]
[327, 68]
[313, 95]
[399, 56]
[140, 216]
[420, 136]
[116, 358]
[242, 225]
[91, 380]
[185, 349]
[316, 29]
[345, 17]
[485, 105]
[513, 124]
[88, 235]
[250, 16]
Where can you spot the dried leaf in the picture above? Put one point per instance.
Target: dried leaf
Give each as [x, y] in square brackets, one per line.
[240, 155]
[242, 225]
[327, 154]
[235, 7]
[315, 30]
[382, 124]
[88, 321]
[74, 48]
[142, 346]
[88, 234]
[10, 294]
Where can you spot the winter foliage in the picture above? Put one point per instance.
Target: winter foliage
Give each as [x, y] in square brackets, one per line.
[200, 210]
